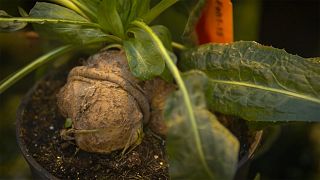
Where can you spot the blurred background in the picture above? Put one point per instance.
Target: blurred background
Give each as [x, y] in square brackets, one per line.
[293, 25]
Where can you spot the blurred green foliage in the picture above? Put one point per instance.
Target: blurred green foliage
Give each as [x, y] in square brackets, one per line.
[13, 48]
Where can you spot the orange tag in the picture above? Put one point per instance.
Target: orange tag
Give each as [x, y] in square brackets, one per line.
[216, 22]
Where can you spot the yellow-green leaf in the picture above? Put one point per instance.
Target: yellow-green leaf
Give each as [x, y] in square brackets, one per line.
[205, 149]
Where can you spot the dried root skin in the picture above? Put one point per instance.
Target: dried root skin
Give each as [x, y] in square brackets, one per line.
[90, 73]
[158, 91]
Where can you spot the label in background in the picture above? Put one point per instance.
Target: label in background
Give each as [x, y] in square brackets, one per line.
[216, 22]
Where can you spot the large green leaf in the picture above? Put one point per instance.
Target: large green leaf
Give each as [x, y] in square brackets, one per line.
[145, 60]
[70, 33]
[206, 150]
[258, 83]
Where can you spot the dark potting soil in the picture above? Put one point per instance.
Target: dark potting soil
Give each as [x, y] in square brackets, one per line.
[40, 131]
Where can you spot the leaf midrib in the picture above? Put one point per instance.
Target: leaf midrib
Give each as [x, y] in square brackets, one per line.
[49, 20]
[288, 93]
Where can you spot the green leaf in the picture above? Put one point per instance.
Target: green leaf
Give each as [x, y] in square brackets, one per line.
[11, 25]
[145, 60]
[70, 5]
[9, 81]
[193, 18]
[22, 12]
[68, 123]
[143, 8]
[90, 7]
[157, 10]
[166, 74]
[48, 57]
[164, 34]
[137, 8]
[115, 16]
[63, 29]
[109, 18]
[70, 33]
[258, 83]
[214, 155]
[224, 166]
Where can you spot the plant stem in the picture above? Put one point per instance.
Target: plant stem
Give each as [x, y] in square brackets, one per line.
[34, 65]
[5, 84]
[186, 98]
[157, 10]
[48, 20]
[178, 46]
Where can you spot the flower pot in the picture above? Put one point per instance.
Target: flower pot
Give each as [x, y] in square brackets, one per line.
[38, 132]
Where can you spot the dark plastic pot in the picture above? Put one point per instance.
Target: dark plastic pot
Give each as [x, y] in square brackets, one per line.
[39, 172]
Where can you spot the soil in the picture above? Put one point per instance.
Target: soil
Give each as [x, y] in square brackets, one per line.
[40, 131]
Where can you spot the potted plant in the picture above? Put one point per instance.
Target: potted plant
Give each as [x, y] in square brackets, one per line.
[92, 124]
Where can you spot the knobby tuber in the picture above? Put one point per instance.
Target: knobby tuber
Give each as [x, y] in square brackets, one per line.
[108, 106]
[105, 103]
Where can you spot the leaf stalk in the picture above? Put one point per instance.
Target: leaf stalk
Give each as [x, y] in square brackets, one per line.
[157, 10]
[5, 84]
[48, 20]
[34, 65]
[186, 98]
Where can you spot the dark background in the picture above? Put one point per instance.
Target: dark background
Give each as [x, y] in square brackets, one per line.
[292, 25]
